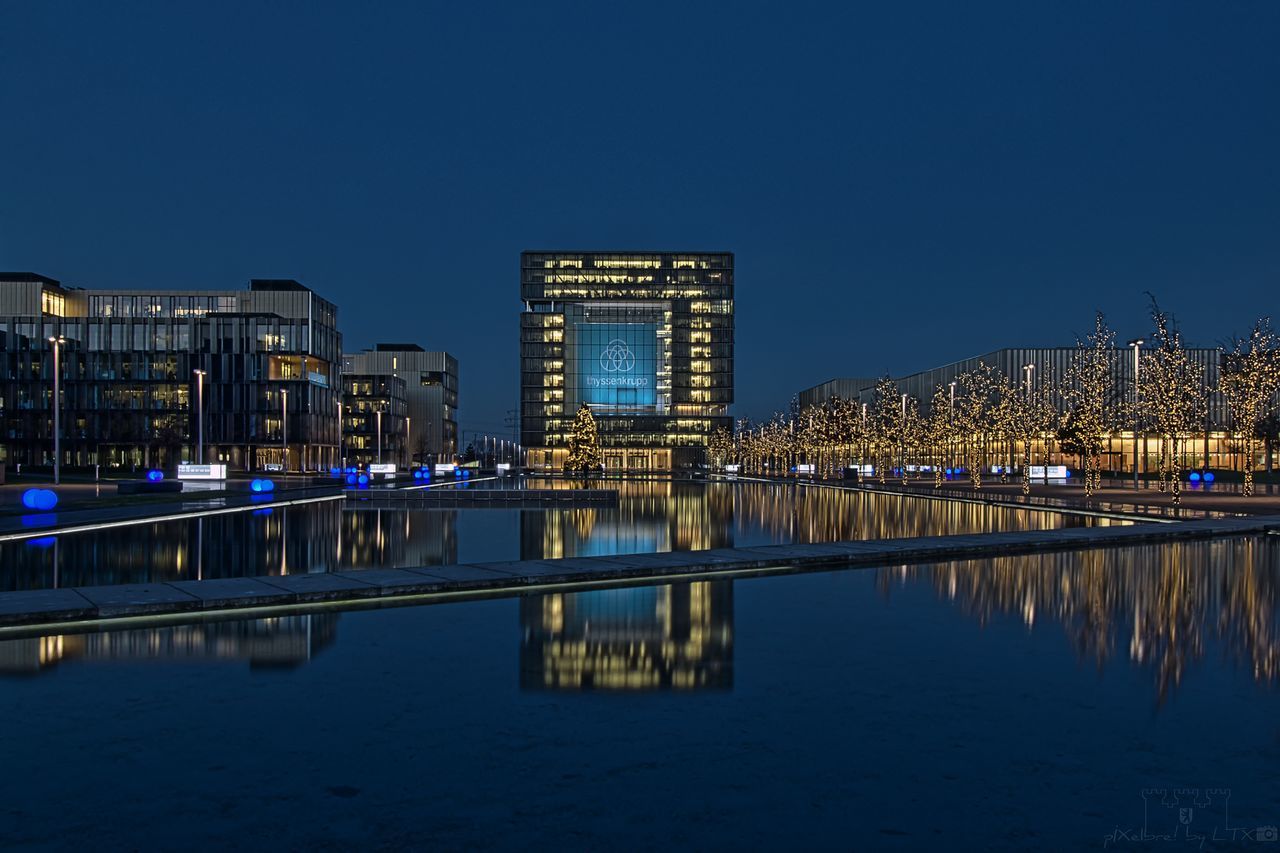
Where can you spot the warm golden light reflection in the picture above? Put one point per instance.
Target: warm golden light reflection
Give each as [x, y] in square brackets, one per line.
[1157, 605]
[817, 514]
[677, 637]
[280, 641]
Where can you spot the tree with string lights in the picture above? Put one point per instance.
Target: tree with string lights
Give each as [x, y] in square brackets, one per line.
[939, 433]
[910, 431]
[720, 448]
[1089, 391]
[1031, 415]
[1250, 378]
[584, 443]
[885, 425]
[1175, 398]
[976, 415]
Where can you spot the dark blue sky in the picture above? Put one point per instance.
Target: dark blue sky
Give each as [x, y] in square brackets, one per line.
[903, 183]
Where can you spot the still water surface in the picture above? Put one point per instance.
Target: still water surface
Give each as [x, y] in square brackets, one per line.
[651, 516]
[1062, 701]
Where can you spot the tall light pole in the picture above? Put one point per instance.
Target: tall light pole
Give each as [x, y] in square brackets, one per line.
[284, 429]
[1027, 371]
[1136, 344]
[408, 447]
[902, 440]
[951, 437]
[57, 408]
[199, 415]
[342, 460]
[379, 413]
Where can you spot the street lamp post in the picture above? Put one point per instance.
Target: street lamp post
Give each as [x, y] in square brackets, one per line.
[199, 415]
[408, 445]
[379, 413]
[342, 460]
[284, 429]
[1136, 344]
[57, 408]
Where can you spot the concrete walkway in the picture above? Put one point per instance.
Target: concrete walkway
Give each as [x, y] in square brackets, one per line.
[40, 611]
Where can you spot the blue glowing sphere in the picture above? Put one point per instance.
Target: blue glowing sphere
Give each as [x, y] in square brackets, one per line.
[155, 475]
[1194, 476]
[363, 479]
[335, 472]
[1208, 476]
[417, 473]
[41, 499]
[950, 471]
[351, 479]
[255, 486]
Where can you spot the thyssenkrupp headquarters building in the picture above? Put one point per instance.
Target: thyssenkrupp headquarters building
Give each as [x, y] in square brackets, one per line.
[645, 339]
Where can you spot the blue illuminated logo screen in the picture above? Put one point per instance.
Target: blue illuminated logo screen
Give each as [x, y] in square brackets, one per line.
[617, 364]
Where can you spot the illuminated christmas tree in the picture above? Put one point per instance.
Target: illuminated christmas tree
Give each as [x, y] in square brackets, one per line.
[584, 443]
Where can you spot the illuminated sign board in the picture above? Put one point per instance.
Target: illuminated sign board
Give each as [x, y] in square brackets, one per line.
[382, 468]
[202, 472]
[617, 364]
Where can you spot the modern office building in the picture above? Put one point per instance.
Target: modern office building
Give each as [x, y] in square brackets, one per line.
[644, 339]
[430, 390]
[375, 419]
[138, 367]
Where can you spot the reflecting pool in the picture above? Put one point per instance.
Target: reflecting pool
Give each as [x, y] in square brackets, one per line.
[652, 515]
[1059, 701]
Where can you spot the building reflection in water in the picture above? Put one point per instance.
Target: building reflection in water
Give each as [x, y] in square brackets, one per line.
[1158, 606]
[651, 516]
[674, 637]
[374, 538]
[285, 641]
[318, 537]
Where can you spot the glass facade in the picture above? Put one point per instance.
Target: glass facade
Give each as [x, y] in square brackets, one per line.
[129, 388]
[644, 339]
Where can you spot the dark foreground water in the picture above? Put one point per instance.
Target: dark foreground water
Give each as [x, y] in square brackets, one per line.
[652, 515]
[1059, 702]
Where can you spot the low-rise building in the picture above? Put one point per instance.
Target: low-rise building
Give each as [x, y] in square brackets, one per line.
[374, 419]
[430, 392]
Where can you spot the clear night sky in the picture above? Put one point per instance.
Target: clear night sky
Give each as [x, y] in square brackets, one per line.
[904, 184]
